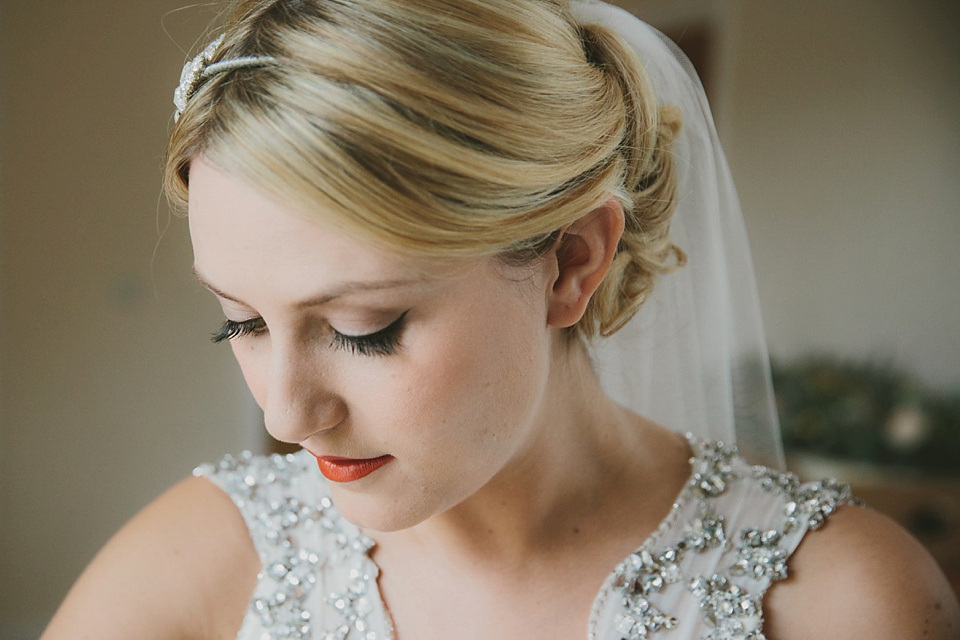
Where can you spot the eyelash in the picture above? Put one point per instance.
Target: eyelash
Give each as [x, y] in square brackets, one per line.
[384, 342]
[231, 329]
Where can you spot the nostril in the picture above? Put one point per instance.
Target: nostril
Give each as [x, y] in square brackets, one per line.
[297, 420]
[279, 446]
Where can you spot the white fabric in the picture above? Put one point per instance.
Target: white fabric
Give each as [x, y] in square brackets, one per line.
[733, 524]
[695, 357]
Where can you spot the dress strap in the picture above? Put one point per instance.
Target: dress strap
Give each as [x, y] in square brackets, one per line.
[729, 539]
[316, 578]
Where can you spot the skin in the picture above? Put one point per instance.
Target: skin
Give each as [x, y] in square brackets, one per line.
[516, 484]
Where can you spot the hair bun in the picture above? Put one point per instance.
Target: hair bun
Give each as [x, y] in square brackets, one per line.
[650, 184]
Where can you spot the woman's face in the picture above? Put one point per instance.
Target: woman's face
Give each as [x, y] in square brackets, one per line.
[448, 381]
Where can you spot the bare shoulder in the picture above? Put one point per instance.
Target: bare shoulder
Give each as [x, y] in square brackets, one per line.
[184, 567]
[862, 576]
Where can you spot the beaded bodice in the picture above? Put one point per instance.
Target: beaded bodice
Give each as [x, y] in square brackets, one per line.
[702, 574]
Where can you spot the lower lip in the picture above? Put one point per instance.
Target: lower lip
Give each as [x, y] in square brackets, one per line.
[347, 470]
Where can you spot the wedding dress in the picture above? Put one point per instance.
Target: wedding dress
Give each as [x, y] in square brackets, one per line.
[701, 575]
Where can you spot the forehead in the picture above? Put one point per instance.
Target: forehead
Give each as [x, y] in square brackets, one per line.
[242, 236]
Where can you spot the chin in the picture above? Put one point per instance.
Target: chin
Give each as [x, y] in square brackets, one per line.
[383, 513]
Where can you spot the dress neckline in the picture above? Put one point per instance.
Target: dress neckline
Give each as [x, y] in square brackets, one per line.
[652, 540]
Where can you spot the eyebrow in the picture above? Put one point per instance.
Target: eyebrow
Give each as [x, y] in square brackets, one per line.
[344, 289]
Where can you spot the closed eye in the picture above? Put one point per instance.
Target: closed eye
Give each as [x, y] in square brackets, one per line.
[384, 342]
[232, 329]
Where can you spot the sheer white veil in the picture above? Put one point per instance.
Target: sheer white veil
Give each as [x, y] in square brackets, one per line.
[695, 358]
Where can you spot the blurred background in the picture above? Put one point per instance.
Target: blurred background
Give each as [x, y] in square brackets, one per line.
[841, 122]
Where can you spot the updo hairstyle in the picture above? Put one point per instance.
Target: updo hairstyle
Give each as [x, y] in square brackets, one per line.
[448, 128]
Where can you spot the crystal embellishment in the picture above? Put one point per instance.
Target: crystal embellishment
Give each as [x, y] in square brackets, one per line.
[190, 76]
[202, 66]
[353, 605]
[760, 556]
[712, 469]
[647, 574]
[704, 533]
[299, 541]
[730, 595]
[318, 581]
[731, 611]
[814, 501]
[640, 619]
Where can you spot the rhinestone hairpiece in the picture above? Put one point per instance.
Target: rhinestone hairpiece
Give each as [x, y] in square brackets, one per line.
[200, 68]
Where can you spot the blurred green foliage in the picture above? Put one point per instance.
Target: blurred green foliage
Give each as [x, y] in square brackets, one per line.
[867, 411]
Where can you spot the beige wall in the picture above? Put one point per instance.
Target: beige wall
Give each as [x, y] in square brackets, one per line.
[109, 388]
[841, 121]
[844, 140]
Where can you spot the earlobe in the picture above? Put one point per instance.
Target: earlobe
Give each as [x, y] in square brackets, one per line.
[583, 256]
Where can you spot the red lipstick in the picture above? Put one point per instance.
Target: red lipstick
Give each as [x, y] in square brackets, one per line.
[347, 470]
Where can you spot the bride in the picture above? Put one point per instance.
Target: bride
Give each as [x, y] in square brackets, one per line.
[484, 262]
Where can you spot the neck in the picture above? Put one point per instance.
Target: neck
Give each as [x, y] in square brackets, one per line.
[584, 459]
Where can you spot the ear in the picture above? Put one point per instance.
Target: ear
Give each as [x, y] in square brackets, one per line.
[583, 255]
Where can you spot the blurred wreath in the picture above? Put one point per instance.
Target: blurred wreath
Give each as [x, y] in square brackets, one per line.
[867, 411]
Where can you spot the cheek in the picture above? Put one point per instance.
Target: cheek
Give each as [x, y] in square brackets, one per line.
[464, 388]
[254, 366]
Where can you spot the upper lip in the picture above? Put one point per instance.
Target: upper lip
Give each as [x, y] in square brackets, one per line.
[341, 458]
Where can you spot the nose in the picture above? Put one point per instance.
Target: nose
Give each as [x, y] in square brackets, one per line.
[300, 401]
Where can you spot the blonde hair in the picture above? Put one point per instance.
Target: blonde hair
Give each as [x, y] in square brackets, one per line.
[444, 128]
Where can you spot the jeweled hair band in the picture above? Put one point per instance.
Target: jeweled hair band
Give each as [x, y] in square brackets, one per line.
[201, 68]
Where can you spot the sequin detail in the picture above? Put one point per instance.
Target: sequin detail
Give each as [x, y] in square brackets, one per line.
[813, 501]
[202, 66]
[318, 581]
[299, 543]
[190, 76]
[733, 612]
[759, 555]
[729, 600]
[354, 606]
